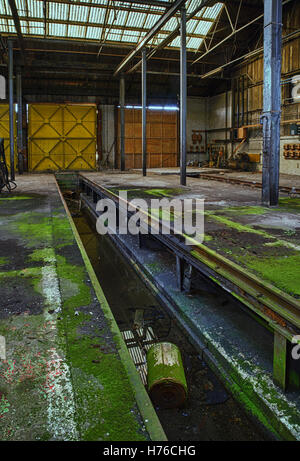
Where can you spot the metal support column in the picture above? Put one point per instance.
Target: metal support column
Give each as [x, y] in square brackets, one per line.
[272, 99]
[11, 109]
[122, 122]
[144, 110]
[20, 123]
[280, 360]
[183, 93]
[232, 115]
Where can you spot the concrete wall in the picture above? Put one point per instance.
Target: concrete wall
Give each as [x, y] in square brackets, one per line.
[108, 135]
[202, 113]
[218, 118]
[197, 119]
[287, 166]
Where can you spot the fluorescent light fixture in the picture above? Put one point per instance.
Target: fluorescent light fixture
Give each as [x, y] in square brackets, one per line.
[167, 108]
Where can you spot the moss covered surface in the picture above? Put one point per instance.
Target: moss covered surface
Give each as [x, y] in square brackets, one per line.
[289, 203]
[273, 256]
[100, 402]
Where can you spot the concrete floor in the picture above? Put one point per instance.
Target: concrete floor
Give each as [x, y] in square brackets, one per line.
[285, 180]
[264, 240]
[48, 313]
[63, 373]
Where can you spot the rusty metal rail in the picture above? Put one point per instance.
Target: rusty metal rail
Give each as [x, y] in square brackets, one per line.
[277, 308]
[242, 182]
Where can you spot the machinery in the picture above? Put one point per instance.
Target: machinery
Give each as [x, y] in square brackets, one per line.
[4, 179]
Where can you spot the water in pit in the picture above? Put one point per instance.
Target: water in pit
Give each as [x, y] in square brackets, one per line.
[209, 413]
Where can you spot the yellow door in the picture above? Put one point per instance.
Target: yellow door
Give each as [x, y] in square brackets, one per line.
[4, 132]
[62, 137]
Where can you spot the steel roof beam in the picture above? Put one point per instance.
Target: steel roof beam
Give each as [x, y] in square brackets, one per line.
[133, 9]
[160, 3]
[14, 12]
[172, 35]
[152, 32]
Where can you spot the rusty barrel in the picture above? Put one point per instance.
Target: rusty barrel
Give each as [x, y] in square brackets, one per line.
[166, 378]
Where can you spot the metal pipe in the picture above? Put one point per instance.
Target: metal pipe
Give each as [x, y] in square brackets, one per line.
[20, 109]
[122, 122]
[272, 100]
[20, 123]
[144, 111]
[11, 109]
[183, 94]
[238, 102]
[243, 101]
[232, 114]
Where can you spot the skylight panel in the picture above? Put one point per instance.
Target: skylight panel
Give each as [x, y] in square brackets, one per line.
[113, 36]
[58, 11]
[97, 15]
[118, 18]
[136, 19]
[35, 8]
[11, 26]
[213, 11]
[57, 30]
[130, 36]
[192, 5]
[78, 13]
[23, 25]
[203, 27]
[190, 26]
[194, 43]
[3, 25]
[151, 20]
[93, 33]
[3, 10]
[21, 8]
[76, 31]
[171, 24]
[36, 28]
[176, 42]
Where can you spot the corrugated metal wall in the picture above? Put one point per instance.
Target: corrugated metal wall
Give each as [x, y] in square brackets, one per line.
[253, 74]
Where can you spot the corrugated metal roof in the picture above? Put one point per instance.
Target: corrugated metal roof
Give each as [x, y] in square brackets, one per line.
[120, 21]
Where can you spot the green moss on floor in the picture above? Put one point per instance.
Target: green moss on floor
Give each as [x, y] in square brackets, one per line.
[162, 192]
[104, 412]
[35, 228]
[283, 272]
[17, 197]
[245, 210]
[105, 401]
[3, 260]
[289, 203]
